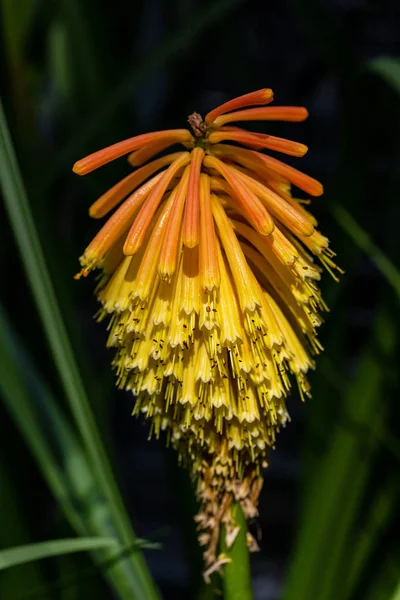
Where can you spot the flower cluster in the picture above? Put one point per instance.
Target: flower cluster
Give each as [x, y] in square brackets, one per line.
[207, 273]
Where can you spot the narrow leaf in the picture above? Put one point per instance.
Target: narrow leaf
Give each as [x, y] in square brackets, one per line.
[21, 219]
[365, 242]
[11, 557]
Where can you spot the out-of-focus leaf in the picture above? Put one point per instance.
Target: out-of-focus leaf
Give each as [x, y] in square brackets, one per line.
[177, 43]
[24, 228]
[76, 579]
[16, 20]
[388, 68]
[59, 60]
[396, 595]
[324, 547]
[14, 530]
[58, 453]
[11, 557]
[382, 510]
[21, 388]
[364, 241]
[85, 56]
[386, 582]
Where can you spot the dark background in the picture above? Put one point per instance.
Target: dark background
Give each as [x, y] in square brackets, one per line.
[77, 76]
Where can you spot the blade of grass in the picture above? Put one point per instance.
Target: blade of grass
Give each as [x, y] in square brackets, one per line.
[87, 574]
[20, 387]
[383, 508]
[20, 216]
[11, 557]
[396, 595]
[364, 241]
[59, 455]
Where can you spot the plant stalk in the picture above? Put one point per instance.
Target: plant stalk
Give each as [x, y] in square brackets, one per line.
[236, 574]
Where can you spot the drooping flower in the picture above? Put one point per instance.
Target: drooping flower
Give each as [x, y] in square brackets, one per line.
[210, 286]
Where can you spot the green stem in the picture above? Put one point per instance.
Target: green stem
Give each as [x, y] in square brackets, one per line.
[236, 574]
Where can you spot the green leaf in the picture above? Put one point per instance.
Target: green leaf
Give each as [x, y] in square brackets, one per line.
[396, 595]
[382, 510]
[323, 553]
[11, 557]
[16, 19]
[59, 456]
[15, 529]
[388, 68]
[21, 219]
[386, 582]
[19, 386]
[364, 241]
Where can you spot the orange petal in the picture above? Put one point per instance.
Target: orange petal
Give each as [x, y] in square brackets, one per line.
[248, 201]
[148, 267]
[138, 230]
[245, 284]
[254, 160]
[191, 223]
[117, 224]
[289, 215]
[258, 141]
[172, 237]
[269, 113]
[219, 185]
[139, 157]
[263, 96]
[281, 247]
[112, 197]
[209, 267]
[102, 157]
[281, 191]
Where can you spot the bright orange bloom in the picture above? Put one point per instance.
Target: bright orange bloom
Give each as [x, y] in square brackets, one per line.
[210, 283]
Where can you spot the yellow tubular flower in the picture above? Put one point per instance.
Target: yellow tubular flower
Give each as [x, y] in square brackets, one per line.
[212, 291]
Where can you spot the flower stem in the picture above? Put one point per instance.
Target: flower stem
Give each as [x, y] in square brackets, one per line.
[236, 574]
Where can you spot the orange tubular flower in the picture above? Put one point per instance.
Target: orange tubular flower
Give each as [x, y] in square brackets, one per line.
[212, 289]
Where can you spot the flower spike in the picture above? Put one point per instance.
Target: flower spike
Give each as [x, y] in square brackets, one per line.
[208, 272]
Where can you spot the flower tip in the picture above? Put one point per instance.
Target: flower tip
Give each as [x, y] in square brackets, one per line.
[302, 150]
[79, 168]
[268, 94]
[304, 112]
[82, 273]
[129, 248]
[94, 212]
[267, 228]
[191, 241]
[318, 189]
